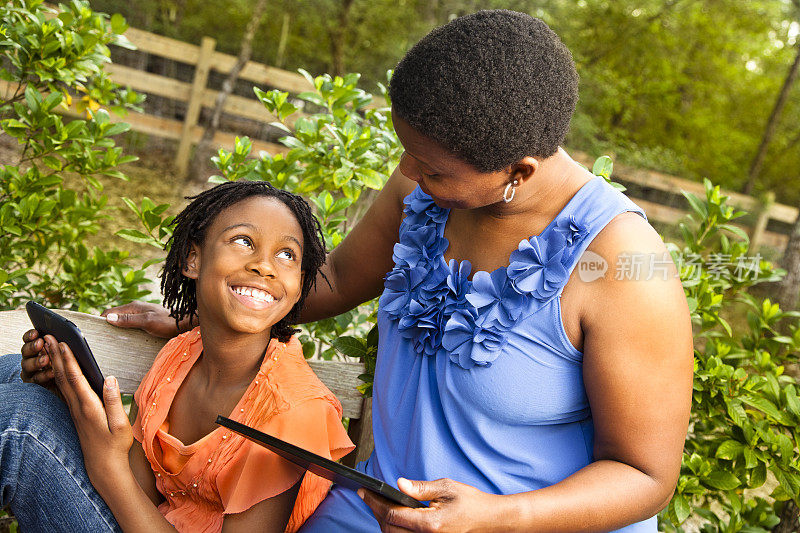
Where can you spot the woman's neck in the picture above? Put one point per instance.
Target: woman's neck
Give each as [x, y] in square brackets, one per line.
[552, 185]
[230, 359]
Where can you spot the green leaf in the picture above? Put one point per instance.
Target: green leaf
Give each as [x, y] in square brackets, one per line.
[730, 449]
[350, 346]
[739, 232]
[758, 476]
[722, 480]
[603, 166]
[679, 509]
[134, 235]
[371, 178]
[33, 98]
[766, 406]
[698, 206]
[118, 24]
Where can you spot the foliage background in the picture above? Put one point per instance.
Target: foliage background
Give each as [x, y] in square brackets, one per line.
[683, 86]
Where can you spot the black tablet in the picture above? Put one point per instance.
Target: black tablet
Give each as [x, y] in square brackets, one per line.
[330, 470]
[48, 322]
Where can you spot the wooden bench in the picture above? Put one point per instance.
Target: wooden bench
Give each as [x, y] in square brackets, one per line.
[128, 354]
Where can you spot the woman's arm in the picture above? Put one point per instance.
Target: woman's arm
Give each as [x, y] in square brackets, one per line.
[116, 464]
[637, 371]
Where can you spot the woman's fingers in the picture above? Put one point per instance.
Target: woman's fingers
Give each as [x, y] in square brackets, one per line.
[151, 318]
[390, 516]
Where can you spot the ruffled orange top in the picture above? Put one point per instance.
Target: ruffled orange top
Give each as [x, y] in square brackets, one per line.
[223, 473]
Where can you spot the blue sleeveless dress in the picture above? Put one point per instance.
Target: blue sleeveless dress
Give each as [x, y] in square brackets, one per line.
[476, 379]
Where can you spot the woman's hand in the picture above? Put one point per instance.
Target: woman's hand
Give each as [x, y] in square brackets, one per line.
[454, 506]
[104, 432]
[151, 318]
[36, 361]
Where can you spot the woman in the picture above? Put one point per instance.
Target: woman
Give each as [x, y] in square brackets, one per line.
[535, 360]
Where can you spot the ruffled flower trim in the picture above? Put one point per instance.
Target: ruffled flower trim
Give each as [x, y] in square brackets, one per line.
[537, 267]
[437, 306]
[572, 230]
[471, 340]
[420, 208]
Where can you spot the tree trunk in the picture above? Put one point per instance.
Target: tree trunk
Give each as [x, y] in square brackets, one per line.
[789, 519]
[338, 32]
[789, 286]
[280, 56]
[203, 150]
[772, 124]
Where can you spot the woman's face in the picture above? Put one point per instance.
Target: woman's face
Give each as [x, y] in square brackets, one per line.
[247, 270]
[451, 182]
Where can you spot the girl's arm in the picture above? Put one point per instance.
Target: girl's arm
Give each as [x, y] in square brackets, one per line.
[637, 370]
[118, 468]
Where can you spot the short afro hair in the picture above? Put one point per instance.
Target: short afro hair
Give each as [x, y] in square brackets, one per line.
[491, 87]
[190, 226]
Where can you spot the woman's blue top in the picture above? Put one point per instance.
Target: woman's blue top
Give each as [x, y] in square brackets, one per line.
[476, 379]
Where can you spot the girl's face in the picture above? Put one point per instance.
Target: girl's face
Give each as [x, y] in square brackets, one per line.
[451, 182]
[247, 270]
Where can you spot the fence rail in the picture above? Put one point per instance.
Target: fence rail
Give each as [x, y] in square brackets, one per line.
[197, 95]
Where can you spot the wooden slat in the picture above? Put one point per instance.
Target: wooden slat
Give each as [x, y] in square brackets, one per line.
[128, 354]
[163, 46]
[149, 83]
[360, 432]
[241, 107]
[262, 74]
[178, 90]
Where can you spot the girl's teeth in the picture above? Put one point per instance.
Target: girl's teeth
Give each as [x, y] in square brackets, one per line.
[254, 293]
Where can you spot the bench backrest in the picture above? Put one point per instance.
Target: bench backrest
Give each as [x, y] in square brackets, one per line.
[128, 354]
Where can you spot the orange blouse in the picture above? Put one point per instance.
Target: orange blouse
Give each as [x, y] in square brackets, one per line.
[223, 473]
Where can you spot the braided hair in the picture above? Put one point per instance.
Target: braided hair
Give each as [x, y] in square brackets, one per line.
[190, 226]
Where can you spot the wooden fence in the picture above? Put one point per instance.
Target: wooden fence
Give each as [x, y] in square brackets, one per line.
[197, 95]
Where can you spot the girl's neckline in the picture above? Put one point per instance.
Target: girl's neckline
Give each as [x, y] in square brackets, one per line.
[471, 274]
[270, 360]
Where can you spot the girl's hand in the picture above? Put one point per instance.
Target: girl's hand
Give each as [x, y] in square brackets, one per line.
[454, 506]
[36, 361]
[105, 433]
[151, 318]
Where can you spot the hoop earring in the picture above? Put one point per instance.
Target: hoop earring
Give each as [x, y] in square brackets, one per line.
[513, 188]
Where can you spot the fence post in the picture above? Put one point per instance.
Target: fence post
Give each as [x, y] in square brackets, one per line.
[201, 70]
[757, 234]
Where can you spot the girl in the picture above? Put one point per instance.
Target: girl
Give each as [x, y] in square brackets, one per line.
[244, 255]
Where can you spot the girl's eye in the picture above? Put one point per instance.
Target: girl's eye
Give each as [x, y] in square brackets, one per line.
[288, 254]
[244, 241]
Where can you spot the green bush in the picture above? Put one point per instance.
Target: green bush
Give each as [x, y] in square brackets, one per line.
[51, 57]
[745, 411]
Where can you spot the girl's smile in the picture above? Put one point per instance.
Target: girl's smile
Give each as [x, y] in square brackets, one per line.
[248, 268]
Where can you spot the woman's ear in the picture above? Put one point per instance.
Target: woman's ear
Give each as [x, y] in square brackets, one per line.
[524, 169]
[192, 266]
